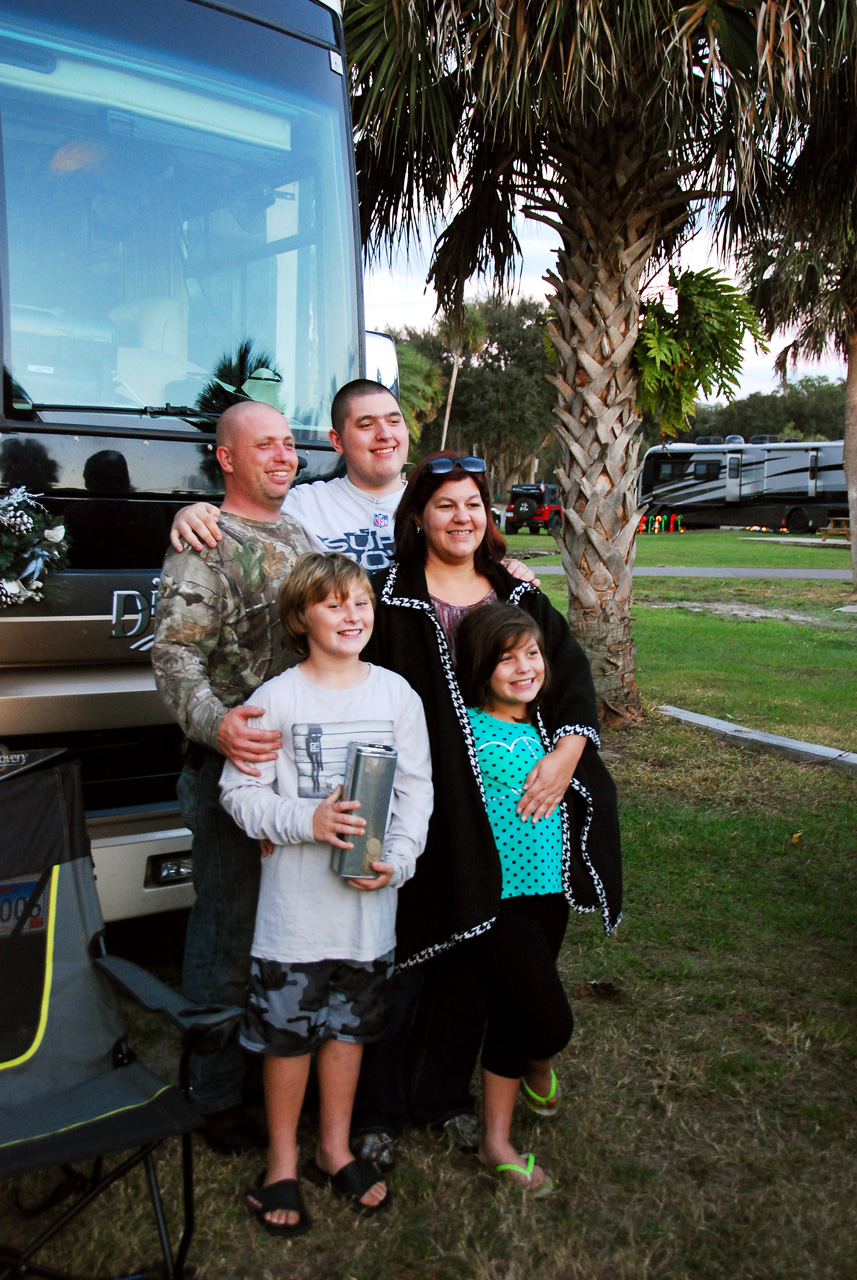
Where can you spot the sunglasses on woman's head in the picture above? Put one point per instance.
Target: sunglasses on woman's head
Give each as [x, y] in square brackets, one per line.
[441, 466]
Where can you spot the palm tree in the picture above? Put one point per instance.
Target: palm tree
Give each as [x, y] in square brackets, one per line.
[609, 123]
[800, 258]
[460, 334]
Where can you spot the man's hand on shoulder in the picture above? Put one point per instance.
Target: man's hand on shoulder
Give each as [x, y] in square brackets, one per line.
[244, 746]
[518, 570]
[199, 520]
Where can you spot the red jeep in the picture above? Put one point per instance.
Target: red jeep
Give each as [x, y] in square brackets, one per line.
[534, 505]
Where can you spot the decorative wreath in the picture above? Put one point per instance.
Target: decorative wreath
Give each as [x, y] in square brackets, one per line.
[31, 547]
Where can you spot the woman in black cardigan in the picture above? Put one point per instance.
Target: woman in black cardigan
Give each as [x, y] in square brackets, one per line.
[447, 563]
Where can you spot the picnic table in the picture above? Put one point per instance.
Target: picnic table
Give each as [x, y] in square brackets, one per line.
[838, 525]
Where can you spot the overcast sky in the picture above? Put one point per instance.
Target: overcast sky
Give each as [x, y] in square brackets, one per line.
[398, 298]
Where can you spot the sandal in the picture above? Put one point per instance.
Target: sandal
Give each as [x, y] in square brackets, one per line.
[285, 1194]
[351, 1183]
[547, 1106]
[543, 1189]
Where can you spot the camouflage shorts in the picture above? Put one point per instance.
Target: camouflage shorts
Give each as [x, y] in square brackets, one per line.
[293, 1008]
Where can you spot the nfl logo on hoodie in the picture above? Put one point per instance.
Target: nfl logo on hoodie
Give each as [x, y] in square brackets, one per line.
[381, 520]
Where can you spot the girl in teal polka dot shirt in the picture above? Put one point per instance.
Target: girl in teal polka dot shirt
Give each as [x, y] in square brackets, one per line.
[503, 677]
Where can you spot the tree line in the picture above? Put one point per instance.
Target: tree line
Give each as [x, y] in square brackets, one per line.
[502, 403]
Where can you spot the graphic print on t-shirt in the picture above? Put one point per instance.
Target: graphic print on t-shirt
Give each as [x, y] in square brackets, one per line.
[320, 751]
[371, 548]
[505, 764]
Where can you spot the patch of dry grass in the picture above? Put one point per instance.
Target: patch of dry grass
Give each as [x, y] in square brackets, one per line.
[815, 602]
[672, 761]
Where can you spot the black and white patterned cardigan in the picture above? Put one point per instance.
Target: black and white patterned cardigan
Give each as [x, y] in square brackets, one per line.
[455, 893]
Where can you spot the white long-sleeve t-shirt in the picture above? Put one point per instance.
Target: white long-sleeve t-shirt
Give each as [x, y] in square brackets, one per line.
[306, 911]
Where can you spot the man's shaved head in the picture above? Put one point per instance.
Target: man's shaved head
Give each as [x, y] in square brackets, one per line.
[239, 415]
[256, 452]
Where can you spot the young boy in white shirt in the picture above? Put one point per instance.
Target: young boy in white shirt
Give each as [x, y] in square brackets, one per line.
[322, 950]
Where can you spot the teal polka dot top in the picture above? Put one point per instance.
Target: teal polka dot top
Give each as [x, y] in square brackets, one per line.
[530, 853]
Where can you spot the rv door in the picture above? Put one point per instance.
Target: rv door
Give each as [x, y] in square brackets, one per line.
[812, 474]
[752, 472]
[733, 477]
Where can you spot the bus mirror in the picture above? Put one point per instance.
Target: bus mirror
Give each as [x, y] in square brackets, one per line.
[382, 364]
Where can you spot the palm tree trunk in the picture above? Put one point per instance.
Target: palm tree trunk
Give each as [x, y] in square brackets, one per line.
[598, 479]
[608, 236]
[849, 450]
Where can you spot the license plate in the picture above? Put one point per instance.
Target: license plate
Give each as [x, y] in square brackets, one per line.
[13, 899]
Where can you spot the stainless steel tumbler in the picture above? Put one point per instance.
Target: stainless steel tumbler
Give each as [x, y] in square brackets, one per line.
[369, 772]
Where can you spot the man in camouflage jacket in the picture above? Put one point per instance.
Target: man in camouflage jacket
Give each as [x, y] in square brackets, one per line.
[217, 639]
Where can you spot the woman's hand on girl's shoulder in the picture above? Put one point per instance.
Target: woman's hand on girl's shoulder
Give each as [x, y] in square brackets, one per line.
[547, 781]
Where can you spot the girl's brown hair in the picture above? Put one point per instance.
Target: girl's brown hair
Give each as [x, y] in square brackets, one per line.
[316, 576]
[483, 637]
[422, 483]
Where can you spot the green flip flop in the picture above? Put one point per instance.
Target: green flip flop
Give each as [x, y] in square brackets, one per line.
[527, 1170]
[547, 1106]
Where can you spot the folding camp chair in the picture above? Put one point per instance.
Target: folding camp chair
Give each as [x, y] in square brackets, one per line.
[71, 1089]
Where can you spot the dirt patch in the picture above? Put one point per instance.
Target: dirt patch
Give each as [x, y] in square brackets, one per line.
[748, 612]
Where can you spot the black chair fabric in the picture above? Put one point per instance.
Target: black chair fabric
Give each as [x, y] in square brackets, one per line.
[71, 1089]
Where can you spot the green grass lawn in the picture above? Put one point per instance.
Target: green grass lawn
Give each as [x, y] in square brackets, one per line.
[779, 677]
[724, 548]
[767, 675]
[732, 549]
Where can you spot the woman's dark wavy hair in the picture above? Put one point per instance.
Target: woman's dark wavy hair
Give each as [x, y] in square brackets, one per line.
[483, 637]
[422, 483]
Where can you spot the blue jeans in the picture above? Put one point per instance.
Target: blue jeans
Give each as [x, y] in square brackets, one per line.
[226, 870]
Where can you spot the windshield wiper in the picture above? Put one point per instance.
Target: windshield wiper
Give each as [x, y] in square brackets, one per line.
[138, 411]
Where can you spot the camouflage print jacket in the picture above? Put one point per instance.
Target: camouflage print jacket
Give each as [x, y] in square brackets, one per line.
[217, 634]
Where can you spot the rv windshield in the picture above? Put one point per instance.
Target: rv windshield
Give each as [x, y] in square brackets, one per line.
[178, 211]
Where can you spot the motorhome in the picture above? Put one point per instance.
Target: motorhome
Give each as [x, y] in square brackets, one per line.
[796, 486]
[179, 220]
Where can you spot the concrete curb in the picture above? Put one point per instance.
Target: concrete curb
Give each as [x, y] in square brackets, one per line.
[838, 542]
[739, 736]
[687, 571]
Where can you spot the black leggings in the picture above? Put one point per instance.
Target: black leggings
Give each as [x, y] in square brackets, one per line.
[529, 1016]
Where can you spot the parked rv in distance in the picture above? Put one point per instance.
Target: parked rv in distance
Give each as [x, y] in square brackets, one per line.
[712, 482]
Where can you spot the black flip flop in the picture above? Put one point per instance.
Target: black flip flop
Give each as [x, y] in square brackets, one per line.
[351, 1183]
[285, 1194]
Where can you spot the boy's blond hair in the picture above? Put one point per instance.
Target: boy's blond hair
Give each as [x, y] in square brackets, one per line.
[316, 576]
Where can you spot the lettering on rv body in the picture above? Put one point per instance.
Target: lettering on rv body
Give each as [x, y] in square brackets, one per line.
[8, 758]
[134, 608]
